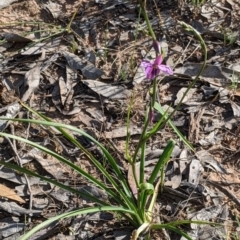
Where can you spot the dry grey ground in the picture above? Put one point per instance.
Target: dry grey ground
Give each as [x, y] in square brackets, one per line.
[86, 77]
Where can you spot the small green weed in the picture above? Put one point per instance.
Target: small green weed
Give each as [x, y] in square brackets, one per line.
[198, 3]
[229, 36]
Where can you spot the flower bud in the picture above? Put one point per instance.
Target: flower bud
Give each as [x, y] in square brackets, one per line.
[157, 47]
[151, 116]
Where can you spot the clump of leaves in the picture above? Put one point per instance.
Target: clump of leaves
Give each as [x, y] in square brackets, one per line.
[137, 210]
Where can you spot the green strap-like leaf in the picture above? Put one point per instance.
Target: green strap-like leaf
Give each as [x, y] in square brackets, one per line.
[158, 107]
[76, 213]
[162, 161]
[65, 161]
[56, 183]
[126, 195]
[109, 157]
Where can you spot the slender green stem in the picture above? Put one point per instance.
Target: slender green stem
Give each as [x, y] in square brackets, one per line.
[142, 4]
[128, 157]
[140, 142]
[143, 148]
[142, 163]
[144, 12]
[154, 92]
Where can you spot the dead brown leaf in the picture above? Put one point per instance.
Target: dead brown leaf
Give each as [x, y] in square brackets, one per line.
[10, 194]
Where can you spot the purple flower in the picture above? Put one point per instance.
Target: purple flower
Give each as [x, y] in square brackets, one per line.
[153, 68]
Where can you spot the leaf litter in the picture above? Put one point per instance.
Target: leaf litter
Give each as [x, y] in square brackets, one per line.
[86, 79]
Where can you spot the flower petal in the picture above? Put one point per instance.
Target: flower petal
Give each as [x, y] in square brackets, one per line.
[158, 60]
[149, 73]
[145, 63]
[155, 72]
[148, 69]
[165, 69]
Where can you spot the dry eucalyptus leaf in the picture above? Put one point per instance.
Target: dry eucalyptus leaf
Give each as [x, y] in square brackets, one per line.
[106, 90]
[97, 114]
[122, 132]
[52, 165]
[9, 226]
[218, 76]
[183, 161]
[88, 69]
[121, 235]
[60, 194]
[139, 76]
[49, 61]
[195, 172]
[53, 8]
[32, 79]
[49, 45]
[181, 93]
[40, 203]
[10, 194]
[204, 214]
[208, 161]
[67, 92]
[94, 191]
[236, 109]
[38, 188]
[63, 90]
[12, 111]
[13, 37]
[73, 60]
[15, 209]
[74, 111]
[10, 175]
[6, 3]
[173, 176]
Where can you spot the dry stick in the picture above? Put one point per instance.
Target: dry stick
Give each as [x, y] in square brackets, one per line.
[13, 145]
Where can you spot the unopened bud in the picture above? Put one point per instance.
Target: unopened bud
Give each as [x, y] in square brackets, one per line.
[157, 46]
[151, 116]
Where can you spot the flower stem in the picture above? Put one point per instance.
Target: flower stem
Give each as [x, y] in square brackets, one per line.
[154, 92]
[142, 4]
